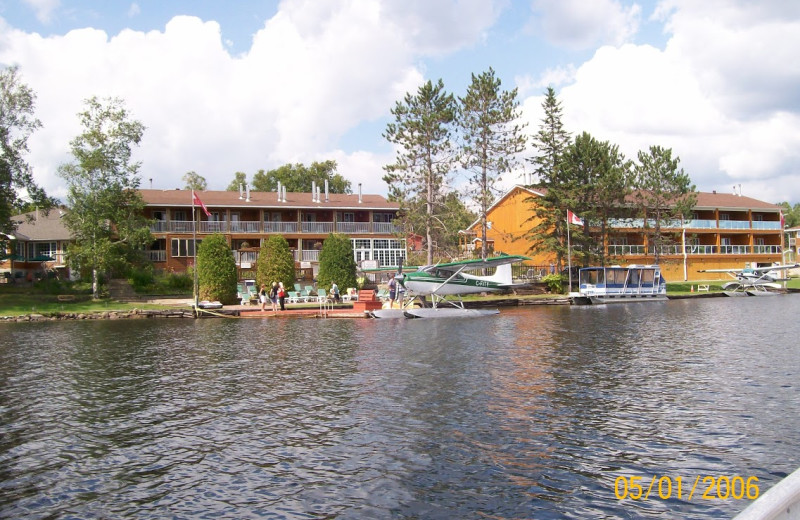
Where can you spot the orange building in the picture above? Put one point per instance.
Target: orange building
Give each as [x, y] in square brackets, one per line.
[725, 231]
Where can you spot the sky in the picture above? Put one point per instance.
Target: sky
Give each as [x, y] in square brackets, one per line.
[246, 85]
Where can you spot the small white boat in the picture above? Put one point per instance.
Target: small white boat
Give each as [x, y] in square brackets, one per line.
[616, 284]
[205, 304]
[439, 312]
[780, 502]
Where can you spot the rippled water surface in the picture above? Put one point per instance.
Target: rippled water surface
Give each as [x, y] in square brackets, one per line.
[534, 413]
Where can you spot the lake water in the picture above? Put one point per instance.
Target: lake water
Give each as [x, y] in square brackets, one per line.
[540, 412]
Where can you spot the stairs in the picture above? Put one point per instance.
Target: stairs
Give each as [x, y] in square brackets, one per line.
[120, 290]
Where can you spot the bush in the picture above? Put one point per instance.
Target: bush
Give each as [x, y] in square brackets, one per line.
[555, 283]
[336, 263]
[216, 270]
[275, 263]
[141, 278]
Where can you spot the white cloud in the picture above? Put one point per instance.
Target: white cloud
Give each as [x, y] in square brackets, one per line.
[134, 10]
[579, 24]
[44, 9]
[722, 95]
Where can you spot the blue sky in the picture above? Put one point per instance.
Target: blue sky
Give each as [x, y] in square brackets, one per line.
[247, 85]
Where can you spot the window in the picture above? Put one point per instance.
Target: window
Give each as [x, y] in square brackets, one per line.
[724, 216]
[179, 214]
[159, 215]
[758, 218]
[725, 241]
[183, 247]
[347, 217]
[382, 217]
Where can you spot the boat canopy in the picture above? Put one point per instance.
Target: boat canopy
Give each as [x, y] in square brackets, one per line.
[633, 276]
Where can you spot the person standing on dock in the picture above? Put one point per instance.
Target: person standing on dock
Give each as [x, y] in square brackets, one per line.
[282, 296]
[262, 297]
[273, 297]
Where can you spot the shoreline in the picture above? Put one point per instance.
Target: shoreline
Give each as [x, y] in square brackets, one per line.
[182, 309]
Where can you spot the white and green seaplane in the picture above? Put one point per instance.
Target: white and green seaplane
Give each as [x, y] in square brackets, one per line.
[449, 279]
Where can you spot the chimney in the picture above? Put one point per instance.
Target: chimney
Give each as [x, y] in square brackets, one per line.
[360, 199]
[326, 191]
[313, 191]
[284, 194]
[279, 191]
[240, 191]
[248, 192]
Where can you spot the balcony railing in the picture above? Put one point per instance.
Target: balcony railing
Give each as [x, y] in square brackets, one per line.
[638, 223]
[698, 249]
[316, 227]
[280, 227]
[156, 255]
[621, 250]
[253, 227]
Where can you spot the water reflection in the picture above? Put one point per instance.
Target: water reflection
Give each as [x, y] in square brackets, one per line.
[534, 413]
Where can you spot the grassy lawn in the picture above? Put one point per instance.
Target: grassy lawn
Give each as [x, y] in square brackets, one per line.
[16, 300]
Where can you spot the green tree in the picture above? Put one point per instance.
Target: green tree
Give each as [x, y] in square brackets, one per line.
[17, 123]
[239, 180]
[664, 193]
[548, 215]
[791, 214]
[216, 270]
[298, 178]
[105, 217]
[275, 262]
[492, 137]
[337, 263]
[425, 159]
[597, 179]
[455, 216]
[193, 181]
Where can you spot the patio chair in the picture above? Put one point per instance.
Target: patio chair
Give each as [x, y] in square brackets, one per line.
[293, 297]
[298, 288]
[307, 297]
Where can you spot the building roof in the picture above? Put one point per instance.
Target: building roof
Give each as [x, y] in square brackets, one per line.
[41, 225]
[266, 199]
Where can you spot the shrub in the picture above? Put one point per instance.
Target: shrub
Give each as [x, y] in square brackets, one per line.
[275, 263]
[336, 263]
[555, 283]
[216, 270]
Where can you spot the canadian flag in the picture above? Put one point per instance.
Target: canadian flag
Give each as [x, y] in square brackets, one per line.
[197, 202]
[572, 218]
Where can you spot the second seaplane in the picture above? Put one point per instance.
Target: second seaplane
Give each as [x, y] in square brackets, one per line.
[754, 281]
[450, 279]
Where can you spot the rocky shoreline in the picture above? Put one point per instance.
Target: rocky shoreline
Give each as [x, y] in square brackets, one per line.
[102, 315]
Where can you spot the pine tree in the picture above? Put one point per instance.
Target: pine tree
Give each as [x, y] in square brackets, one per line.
[664, 194]
[549, 211]
[424, 161]
[491, 139]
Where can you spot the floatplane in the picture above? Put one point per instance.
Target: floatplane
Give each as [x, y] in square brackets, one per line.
[450, 279]
[753, 281]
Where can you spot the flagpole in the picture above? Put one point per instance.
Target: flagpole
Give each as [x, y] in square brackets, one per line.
[194, 246]
[569, 257]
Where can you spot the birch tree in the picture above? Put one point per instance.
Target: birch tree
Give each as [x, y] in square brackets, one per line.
[106, 211]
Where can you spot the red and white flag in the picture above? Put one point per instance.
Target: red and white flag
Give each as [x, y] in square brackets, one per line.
[197, 202]
[572, 218]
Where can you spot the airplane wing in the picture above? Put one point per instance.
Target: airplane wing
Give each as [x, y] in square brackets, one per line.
[471, 265]
[751, 269]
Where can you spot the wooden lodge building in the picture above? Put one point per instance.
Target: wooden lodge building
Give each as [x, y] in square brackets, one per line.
[247, 218]
[725, 231]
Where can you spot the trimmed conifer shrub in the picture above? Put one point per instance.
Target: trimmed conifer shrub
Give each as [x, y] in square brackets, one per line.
[216, 270]
[336, 263]
[275, 263]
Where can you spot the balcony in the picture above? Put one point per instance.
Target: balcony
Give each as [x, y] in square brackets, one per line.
[280, 227]
[638, 223]
[157, 255]
[621, 250]
[255, 227]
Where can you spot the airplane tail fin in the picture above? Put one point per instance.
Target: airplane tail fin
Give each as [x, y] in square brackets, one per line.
[502, 275]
